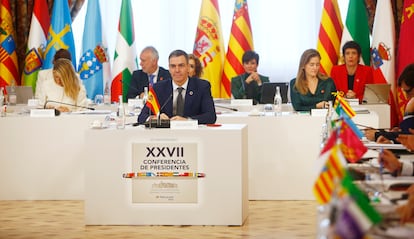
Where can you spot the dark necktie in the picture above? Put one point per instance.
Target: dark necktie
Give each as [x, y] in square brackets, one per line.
[151, 79]
[180, 102]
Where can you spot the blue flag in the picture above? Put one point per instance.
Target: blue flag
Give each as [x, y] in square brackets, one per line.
[60, 33]
[93, 52]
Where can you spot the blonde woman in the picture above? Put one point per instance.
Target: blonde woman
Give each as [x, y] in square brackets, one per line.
[65, 90]
[311, 89]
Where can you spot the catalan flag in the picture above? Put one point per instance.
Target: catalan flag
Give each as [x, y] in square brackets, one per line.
[60, 34]
[152, 102]
[125, 59]
[240, 41]
[357, 29]
[332, 171]
[330, 34]
[209, 47]
[405, 55]
[36, 44]
[9, 67]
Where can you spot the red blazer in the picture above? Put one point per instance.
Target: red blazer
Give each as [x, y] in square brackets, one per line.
[363, 75]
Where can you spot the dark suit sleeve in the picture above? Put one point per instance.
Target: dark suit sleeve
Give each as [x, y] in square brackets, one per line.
[237, 89]
[134, 88]
[206, 113]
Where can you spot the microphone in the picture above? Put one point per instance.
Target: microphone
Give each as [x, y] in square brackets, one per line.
[158, 122]
[62, 103]
[225, 107]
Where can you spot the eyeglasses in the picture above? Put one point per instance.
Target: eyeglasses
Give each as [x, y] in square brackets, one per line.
[407, 91]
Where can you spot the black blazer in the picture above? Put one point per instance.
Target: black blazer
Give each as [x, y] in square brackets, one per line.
[139, 80]
[198, 102]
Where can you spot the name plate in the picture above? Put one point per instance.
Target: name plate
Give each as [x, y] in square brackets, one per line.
[319, 112]
[33, 102]
[42, 113]
[135, 103]
[185, 124]
[247, 102]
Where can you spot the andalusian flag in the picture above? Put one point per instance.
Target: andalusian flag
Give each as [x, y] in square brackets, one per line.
[405, 54]
[36, 44]
[125, 59]
[209, 46]
[9, 67]
[330, 34]
[152, 102]
[60, 34]
[240, 41]
[383, 51]
[94, 57]
[357, 29]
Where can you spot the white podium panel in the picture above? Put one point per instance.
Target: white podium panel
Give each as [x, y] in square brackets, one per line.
[222, 194]
[282, 152]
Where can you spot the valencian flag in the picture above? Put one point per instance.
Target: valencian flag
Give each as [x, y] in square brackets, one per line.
[209, 47]
[330, 35]
[8, 56]
[125, 59]
[383, 51]
[94, 55]
[405, 55]
[357, 29]
[152, 101]
[240, 41]
[332, 170]
[36, 44]
[60, 34]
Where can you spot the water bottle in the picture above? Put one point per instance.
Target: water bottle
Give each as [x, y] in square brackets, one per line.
[107, 95]
[12, 95]
[2, 108]
[145, 98]
[120, 121]
[278, 102]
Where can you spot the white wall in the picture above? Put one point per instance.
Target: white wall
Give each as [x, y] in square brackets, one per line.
[282, 29]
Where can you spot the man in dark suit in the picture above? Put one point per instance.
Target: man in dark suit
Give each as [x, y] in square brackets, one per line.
[149, 74]
[196, 94]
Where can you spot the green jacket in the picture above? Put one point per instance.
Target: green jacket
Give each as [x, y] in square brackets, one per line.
[307, 102]
[241, 90]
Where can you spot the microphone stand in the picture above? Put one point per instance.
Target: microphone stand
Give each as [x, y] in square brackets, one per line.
[227, 108]
[62, 103]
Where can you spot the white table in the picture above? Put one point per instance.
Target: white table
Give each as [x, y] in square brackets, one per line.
[222, 193]
[282, 153]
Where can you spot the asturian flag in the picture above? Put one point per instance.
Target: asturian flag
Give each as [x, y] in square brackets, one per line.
[357, 29]
[94, 55]
[330, 34]
[36, 43]
[240, 41]
[60, 34]
[8, 57]
[209, 47]
[125, 59]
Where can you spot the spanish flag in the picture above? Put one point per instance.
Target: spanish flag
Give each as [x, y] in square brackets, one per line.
[209, 47]
[152, 102]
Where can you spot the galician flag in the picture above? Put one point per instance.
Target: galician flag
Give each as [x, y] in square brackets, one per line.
[357, 29]
[94, 57]
[60, 34]
[209, 46]
[240, 41]
[125, 59]
[9, 71]
[383, 50]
